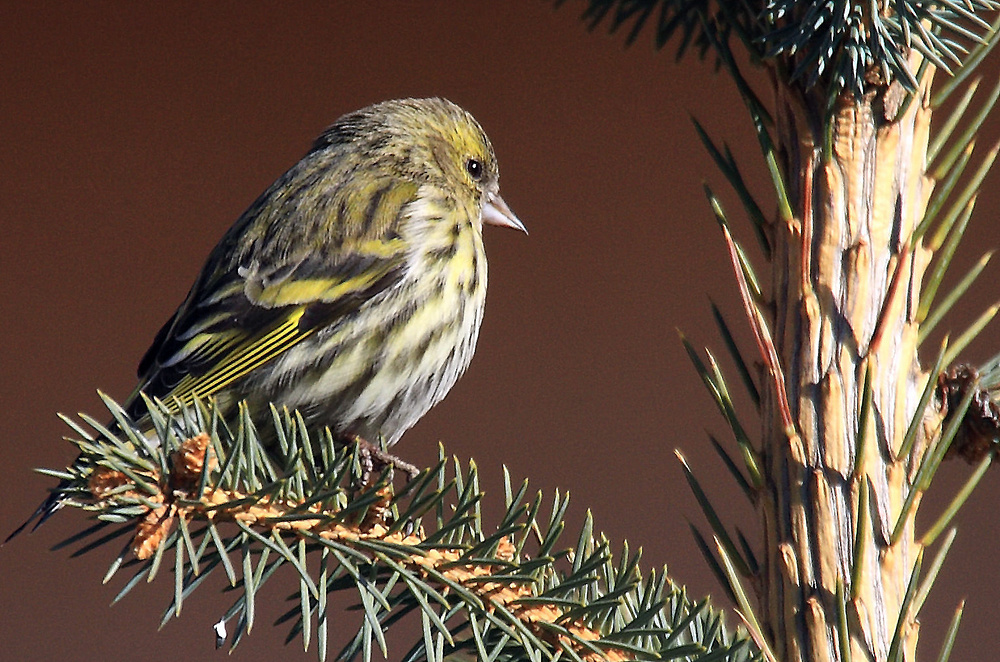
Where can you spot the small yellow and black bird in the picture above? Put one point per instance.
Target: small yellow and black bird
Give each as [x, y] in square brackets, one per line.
[352, 289]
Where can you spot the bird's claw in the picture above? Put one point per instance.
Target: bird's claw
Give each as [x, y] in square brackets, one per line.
[374, 461]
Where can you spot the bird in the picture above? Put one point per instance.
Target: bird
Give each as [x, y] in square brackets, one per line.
[351, 290]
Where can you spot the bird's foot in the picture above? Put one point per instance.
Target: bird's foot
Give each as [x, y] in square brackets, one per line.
[374, 461]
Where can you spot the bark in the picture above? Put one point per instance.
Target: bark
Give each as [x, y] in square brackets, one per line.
[845, 288]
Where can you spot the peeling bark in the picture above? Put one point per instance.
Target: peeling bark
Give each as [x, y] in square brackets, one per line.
[844, 294]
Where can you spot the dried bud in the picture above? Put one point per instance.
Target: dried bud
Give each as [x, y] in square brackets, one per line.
[153, 528]
[104, 480]
[189, 461]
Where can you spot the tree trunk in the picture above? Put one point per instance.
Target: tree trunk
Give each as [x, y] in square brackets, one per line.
[845, 288]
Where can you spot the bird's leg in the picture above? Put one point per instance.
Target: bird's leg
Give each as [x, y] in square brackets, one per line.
[374, 460]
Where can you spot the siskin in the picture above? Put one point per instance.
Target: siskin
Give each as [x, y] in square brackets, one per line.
[352, 289]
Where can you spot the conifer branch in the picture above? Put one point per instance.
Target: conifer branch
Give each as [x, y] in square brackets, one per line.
[214, 497]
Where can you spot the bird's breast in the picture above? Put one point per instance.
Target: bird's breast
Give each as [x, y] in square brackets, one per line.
[404, 349]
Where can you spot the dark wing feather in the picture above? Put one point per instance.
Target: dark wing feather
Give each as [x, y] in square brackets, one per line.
[239, 318]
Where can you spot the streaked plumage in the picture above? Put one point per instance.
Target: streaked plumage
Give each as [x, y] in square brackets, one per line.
[353, 288]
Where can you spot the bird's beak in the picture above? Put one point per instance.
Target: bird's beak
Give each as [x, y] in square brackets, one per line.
[496, 212]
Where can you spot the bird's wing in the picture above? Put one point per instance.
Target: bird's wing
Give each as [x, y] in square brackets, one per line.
[236, 321]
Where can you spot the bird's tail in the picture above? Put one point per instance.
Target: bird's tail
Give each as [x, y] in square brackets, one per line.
[57, 498]
[44, 511]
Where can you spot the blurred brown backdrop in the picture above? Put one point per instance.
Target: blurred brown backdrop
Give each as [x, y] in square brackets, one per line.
[131, 137]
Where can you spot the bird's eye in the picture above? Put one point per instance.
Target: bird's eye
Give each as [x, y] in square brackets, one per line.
[475, 168]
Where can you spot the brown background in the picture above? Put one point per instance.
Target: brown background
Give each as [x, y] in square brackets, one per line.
[130, 138]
